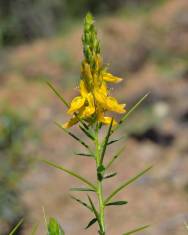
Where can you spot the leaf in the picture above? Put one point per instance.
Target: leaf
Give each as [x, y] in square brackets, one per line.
[91, 222]
[116, 140]
[54, 228]
[110, 175]
[122, 186]
[126, 115]
[115, 157]
[95, 211]
[116, 203]
[57, 93]
[81, 202]
[106, 142]
[70, 173]
[72, 135]
[82, 189]
[84, 154]
[136, 230]
[16, 227]
[33, 232]
[87, 132]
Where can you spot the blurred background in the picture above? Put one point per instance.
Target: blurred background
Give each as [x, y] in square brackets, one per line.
[143, 41]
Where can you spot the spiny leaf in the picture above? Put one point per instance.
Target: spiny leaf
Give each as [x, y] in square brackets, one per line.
[122, 186]
[136, 230]
[81, 202]
[87, 132]
[91, 222]
[70, 173]
[129, 112]
[33, 232]
[72, 135]
[57, 93]
[54, 228]
[82, 189]
[116, 203]
[115, 157]
[106, 142]
[107, 176]
[16, 227]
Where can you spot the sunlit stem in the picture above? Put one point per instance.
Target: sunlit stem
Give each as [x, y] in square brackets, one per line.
[99, 184]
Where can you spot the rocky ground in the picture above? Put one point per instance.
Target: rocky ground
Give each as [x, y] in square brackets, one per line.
[150, 51]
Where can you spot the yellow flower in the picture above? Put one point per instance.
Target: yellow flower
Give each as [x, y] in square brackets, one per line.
[94, 99]
[71, 122]
[108, 77]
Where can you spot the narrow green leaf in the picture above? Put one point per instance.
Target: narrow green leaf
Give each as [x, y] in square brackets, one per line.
[94, 211]
[82, 203]
[70, 173]
[106, 142]
[116, 140]
[54, 228]
[117, 155]
[84, 154]
[136, 230]
[72, 135]
[87, 132]
[127, 114]
[33, 232]
[82, 190]
[107, 176]
[57, 93]
[122, 186]
[16, 227]
[116, 203]
[91, 222]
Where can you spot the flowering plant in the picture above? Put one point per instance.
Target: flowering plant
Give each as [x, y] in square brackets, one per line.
[88, 110]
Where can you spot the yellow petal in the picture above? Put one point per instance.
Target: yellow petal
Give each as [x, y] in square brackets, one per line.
[108, 77]
[76, 104]
[83, 89]
[70, 123]
[100, 97]
[103, 89]
[106, 120]
[90, 109]
[113, 105]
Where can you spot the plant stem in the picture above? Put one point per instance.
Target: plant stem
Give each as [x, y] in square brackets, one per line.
[99, 185]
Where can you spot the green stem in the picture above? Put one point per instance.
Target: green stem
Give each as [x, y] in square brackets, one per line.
[99, 185]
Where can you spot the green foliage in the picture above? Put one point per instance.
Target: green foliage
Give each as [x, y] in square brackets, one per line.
[14, 161]
[136, 230]
[54, 228]
[16, 227]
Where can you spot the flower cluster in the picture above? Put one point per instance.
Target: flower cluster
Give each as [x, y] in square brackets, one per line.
[94, 99]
